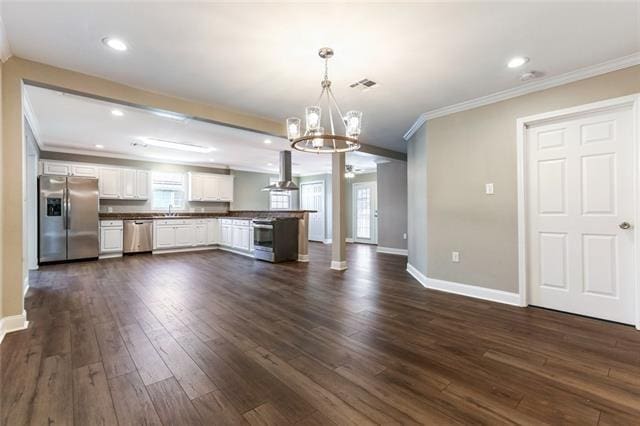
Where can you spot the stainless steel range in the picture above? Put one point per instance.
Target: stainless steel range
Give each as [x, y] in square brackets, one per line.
[275, 239]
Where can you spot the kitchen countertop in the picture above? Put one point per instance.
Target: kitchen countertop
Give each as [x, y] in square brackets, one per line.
[235, 214]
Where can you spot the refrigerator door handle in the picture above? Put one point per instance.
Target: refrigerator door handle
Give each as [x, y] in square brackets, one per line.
[67, 216]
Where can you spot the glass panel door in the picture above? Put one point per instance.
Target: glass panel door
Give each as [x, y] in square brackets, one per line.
[364, 212]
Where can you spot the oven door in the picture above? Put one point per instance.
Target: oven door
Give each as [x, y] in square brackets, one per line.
[263, 237]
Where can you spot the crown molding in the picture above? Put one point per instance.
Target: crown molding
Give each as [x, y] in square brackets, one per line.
[534, 86]
[33, 121]
[5, 48]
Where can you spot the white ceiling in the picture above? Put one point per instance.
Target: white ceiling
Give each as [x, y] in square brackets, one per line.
[261, 58]
[70, 123]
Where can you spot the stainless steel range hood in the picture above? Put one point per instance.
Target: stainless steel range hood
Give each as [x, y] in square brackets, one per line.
[285, 183]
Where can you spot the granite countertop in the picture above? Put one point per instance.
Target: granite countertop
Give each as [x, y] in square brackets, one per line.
[235, 214]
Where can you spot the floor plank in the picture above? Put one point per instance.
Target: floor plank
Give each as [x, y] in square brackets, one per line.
[215, 338]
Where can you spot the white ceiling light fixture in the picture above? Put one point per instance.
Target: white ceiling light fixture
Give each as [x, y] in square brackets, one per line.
[315, 138]
[100, 146]
[267, 141]
[115, 44]
[117, 112]
[517, 61]
[180, 146]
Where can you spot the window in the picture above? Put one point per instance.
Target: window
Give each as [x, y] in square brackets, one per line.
[279, 200]
[363, 213]
[168, 190]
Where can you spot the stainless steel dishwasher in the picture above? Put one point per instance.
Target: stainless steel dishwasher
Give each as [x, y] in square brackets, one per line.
[138, 236]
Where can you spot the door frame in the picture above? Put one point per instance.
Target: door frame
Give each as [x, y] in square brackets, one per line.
[324, 207]
[354, 215]
[522, 124]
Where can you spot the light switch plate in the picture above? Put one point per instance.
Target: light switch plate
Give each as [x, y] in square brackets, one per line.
[404, 236]
[488, 188]
[455, 256]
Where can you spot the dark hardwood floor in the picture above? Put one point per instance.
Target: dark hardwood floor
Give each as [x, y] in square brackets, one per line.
[216, 338]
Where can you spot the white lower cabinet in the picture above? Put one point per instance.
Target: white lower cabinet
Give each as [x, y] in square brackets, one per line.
[184, 233]
[111, 236]
[165, 236]
[213, 231]
[241, 237]
[236, 234]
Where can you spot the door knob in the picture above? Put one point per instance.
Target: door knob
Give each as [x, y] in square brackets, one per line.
[625, 225]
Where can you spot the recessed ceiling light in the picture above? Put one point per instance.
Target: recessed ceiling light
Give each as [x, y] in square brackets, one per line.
[267, 141]
[211, 160]
[517, 62]
[99, 146]
[117, 112]
[269, 164]
[115, 44]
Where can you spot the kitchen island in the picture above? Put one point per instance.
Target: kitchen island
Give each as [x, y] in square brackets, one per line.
[187, 231]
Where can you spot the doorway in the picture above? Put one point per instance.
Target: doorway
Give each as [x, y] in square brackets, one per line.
[312, 198]
[577, 185]
[365, 213]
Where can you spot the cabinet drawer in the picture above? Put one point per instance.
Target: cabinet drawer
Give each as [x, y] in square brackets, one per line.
[241, 222]
[111, 223]
[226, 221]
[171, 222]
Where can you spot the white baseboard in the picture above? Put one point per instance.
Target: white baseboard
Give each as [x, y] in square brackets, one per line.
[110, 255]
[186, 249]
[465, 289]
[349, 240]
[327, 240]
[303, 257]
[230, 250]
[13, 323]
[339, 265]
[391, 250]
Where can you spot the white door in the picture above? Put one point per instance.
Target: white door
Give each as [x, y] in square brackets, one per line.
[165, 236]
[185, 235]
[365, 213]
[109, 182]
[312, 198]
[129, 183]
[110, 239]
[142, 184]
[200, 234]
[210, 188]
[84, 170]
[579, 200]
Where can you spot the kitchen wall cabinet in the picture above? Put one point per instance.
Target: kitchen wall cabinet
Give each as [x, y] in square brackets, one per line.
[111, 236]
[114, 183]
[210, 187]
[110, 182]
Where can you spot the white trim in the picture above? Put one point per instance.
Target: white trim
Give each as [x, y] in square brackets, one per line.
[5, 48]
[348, 240]
[109, 255]
[242, 253]
[25, 286]
[464, 289]
[534, 86]
[327, 241]
[31, 118]
[338, 265]
[303, 257]
[324, 204]
[521, 133]
[186, 249]
[392, 250]
[13, 323]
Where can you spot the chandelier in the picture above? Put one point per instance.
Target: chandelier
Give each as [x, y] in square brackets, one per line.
[349, 171]
[317, 137]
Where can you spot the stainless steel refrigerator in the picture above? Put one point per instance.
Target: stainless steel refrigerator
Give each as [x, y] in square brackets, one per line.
[68, 218]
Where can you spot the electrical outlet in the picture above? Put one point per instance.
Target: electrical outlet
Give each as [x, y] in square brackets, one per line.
[455, 256]
[404, 236]
[488, 189]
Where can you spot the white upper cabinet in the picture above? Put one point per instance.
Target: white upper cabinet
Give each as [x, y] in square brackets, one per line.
[210, 187]
[129, 183]
[110, 182]
[135, 184]
[83, 170]
[53, 168]
[142, 184]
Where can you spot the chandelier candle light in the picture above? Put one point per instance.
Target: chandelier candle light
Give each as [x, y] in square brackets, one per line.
[315, 138]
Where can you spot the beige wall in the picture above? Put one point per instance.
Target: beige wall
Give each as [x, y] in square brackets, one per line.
[17, 70]
[2, 188]
[468, 149]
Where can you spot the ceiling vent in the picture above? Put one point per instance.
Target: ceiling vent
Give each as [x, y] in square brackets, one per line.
[364, 84]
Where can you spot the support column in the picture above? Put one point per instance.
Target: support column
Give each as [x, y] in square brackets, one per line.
[338, 213]
[303, 238]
